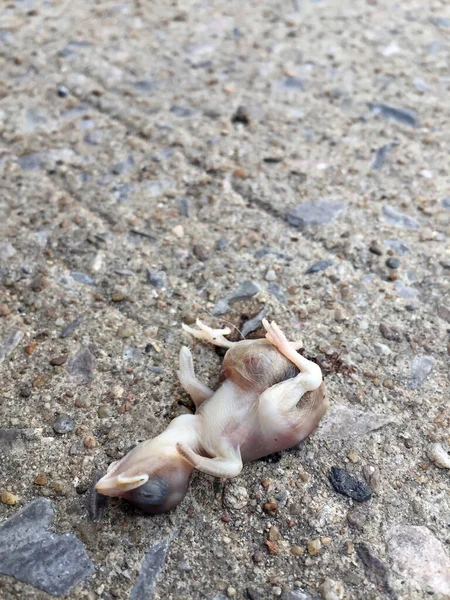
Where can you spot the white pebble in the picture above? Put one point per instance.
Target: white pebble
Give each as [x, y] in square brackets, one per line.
[439, 456]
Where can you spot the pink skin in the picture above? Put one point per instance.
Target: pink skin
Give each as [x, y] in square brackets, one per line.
[270, 399]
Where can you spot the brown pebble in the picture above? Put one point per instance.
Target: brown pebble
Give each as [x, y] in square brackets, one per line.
[389, 384]
[189, 318]
[240, 173]
[375, 248]
[314, 547]
[40, 480]
[30, 348]
[39, 381]
[353, 456]
[270, 506]
[90, 442]
[118, 296]
[8, 498]
[297, 550]
[201, 252]
[58, 487]
[350, 547]
[39, 283]
[408, 443]
[4, 310]
[266, 482]
[274, 534]
[58, 361]
[272, 547]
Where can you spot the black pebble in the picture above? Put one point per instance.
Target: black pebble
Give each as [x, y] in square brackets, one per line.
[63, 91]
[347, 485]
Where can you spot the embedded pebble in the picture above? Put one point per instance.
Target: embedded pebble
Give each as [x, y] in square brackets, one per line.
[419, 556]
[405, 291]
[398, 246]
[374, 568]
[82, 278]
[70, 328]
[314, 547]
[341, 422]
[254, 323]
[321, 265]
[7, 251]
[153, 562]
[316, 212]
[10, 343]
[39, 283]
[381, 156]
[389, 332]
[63, 424]
[401, 115]
[247, 289]
[399, 219]
[421, 367]
[347, 485]
[4, 310]
[372, 475]
[30, 552]
[157, 279]
[439, 456]
[393, 263]
[332, 590]
[81, 367]
[95, 502]
[235, 496]
[9, 498]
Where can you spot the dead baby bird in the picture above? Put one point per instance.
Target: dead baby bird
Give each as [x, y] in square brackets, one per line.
[270, 399]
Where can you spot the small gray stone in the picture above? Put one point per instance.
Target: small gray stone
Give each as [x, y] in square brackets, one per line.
[30, 162]
[418, 555]
[444, 313]
[10, 343]
[399, 219]
[275, 290]
[81, 366]
[321, 265]
[405, 291]
[152, 564]
[7, 251]
[341, 422]
[255, 322]
[82, 278]
[381, 155]
[157, 279]
[63, 424]
[123, 166]
[247, 289]
[421, 367]
[33, 554]
[316, 212]
[401, 115]
[397, 245]
[70, 328]
[445, 203]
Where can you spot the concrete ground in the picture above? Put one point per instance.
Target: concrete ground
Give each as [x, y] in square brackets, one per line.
[153, 157]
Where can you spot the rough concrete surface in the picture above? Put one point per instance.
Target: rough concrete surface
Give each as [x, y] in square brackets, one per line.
[153, 157]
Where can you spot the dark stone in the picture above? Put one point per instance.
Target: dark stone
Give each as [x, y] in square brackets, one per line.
[63, 92]
[63, 424]
[184, 207]
[81, 367]
[254, 594]
[292, 83]
[255, 322]
[246, 290]
[68, 329]
[393, 263]
[375, 570]
[401, 115]
[349, 486]
[157, 279]
[58, 361]
[144, 234]
[95, 502]
[152, 564]
[241, 116]
[33, 554]
[25, 390]
[321, 265]
[375, 248]
[390, 333]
